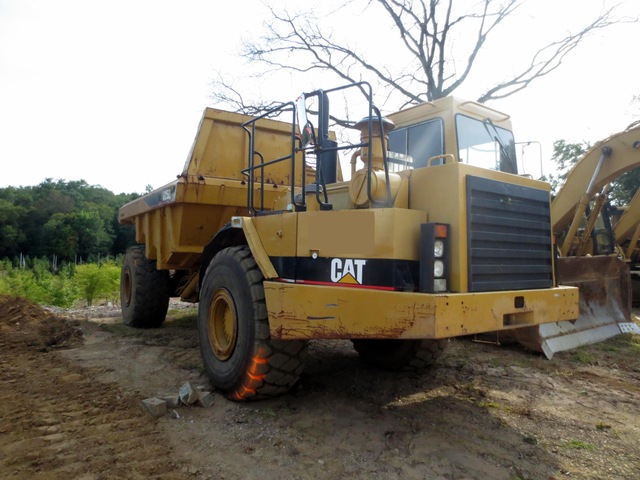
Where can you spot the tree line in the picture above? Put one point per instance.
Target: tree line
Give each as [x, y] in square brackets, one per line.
[71, 220]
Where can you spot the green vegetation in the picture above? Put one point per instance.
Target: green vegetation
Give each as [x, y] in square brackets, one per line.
[63, 288]
[60, 242]
[65, 221]
[582, 355]
[577, 445]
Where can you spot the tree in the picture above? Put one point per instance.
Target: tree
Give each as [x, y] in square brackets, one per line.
[565, 155]
[624, 188]
[439, 43]
[11, 236]
[66, 219]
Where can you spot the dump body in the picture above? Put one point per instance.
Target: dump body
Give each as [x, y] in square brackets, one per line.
[176, 221]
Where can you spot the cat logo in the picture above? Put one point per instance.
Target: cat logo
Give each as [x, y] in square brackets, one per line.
[347, 271]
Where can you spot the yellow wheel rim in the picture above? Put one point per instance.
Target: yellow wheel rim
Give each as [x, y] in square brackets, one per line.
[223, 324]
[127, 287]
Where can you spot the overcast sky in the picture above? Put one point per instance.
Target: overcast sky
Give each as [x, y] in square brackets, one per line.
[112, 91]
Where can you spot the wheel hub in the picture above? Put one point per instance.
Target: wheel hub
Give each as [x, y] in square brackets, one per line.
[222, 323]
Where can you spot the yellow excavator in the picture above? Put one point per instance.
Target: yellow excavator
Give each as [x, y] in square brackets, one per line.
[590, 256]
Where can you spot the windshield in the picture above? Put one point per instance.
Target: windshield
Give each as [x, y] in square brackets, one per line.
[482, 144]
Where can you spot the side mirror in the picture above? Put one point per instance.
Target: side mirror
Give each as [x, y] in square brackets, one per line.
[307, 132]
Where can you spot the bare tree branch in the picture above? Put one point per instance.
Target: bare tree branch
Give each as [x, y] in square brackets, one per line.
[225, 93]
[548, 59]
[427, 31]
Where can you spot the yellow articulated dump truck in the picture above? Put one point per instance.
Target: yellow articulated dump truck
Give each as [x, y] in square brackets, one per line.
[434, 236]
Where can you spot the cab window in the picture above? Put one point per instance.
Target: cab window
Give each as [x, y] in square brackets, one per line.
[413, 146]
[482, 144]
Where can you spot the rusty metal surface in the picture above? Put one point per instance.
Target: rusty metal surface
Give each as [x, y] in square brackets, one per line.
[605, 303]
[600, 279]
[298, 311]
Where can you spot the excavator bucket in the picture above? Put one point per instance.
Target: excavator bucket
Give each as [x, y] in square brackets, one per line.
[605, 306]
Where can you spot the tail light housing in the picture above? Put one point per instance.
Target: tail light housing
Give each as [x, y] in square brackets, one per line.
[434, 257]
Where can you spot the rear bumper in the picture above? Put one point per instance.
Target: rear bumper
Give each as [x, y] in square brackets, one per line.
[306, 311]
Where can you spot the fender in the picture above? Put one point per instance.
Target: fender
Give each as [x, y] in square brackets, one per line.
[240, 231]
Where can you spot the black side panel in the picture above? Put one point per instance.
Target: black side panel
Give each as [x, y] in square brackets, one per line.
[372, 272]
[509, 244]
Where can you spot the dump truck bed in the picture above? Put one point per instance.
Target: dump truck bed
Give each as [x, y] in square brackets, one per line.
[175, 222]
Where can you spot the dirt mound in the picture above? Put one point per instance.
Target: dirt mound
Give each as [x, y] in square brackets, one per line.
[25, 324]
[17, 309]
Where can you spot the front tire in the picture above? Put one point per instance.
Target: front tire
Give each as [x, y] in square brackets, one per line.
[238, 353]
[400, 354]
[144, 290]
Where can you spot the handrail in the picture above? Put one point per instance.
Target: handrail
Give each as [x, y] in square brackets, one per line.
[445, 157]
[385, 163]
[486, 107]
[252, 153]
[324, 149]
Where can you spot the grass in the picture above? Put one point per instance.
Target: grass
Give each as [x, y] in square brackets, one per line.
[619, 342]
[574, 444]
[582, 355]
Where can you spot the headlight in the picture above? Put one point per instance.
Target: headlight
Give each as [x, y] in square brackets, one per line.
[440, 285]
[438, 248]
[438, 268]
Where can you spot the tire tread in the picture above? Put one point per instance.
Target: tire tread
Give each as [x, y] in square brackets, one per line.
[150, 291]
[280, 362]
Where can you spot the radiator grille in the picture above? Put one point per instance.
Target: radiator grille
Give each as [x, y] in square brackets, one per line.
[509, 239]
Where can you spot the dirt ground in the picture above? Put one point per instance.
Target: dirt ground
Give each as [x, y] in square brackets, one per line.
[72, 382]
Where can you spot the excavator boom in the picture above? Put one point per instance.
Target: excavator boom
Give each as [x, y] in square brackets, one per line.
[624, 156]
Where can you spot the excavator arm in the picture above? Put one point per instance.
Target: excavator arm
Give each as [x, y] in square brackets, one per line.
[602, 164]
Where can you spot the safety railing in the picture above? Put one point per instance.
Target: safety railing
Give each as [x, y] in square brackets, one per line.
[308, 141]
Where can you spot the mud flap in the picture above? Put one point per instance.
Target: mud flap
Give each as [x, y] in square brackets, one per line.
[605, 306]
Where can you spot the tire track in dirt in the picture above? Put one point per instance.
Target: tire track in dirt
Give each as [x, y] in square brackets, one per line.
[56, 421]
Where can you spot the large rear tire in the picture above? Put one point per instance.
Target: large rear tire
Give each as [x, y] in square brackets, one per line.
[144, 290]
[238, 353]
[400, 354]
